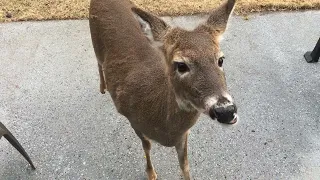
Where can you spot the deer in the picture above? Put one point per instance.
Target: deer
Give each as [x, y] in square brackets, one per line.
[164, 82]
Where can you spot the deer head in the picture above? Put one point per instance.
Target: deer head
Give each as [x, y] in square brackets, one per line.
[194, 63]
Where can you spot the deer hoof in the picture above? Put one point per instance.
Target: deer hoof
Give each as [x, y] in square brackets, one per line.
[102, 88]
[151, 174]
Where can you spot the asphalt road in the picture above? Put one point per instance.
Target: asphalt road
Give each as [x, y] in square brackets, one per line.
[50, 100]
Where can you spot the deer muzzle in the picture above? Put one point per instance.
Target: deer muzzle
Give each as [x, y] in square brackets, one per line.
[226, 114]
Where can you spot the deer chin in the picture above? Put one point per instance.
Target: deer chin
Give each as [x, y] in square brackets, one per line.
[206, 112]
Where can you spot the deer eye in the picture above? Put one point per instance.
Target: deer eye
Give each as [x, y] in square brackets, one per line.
[181, 67]
[220, 61]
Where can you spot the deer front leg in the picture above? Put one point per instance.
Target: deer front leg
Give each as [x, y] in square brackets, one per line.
[182, 150]
[102, 80]
[147, 147]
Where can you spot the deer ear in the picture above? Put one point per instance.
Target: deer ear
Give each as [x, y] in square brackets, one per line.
[217, 22]
[158, 27]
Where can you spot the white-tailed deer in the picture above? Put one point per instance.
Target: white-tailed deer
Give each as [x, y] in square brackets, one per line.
[163, 84]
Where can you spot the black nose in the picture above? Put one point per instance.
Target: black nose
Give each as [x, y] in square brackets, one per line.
[224, 114]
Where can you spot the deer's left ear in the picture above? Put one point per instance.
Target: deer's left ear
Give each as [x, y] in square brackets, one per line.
[218, 19]
[158, 27]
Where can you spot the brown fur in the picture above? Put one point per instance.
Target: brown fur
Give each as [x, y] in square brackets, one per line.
[140, 77]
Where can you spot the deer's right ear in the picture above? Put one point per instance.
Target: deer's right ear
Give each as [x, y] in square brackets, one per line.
[158, 27]
[218, 19]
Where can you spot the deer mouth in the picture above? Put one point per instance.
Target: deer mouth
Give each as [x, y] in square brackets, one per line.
[235, 120]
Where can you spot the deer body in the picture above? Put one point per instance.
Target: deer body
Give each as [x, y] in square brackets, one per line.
[135, 67]
[148, 83]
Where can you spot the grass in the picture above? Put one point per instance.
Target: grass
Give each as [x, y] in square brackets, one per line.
[23, 10]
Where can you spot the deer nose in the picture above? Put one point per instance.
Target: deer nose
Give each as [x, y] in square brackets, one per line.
[224, 114]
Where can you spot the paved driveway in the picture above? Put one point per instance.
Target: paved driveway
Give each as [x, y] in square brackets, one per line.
[49, 98]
